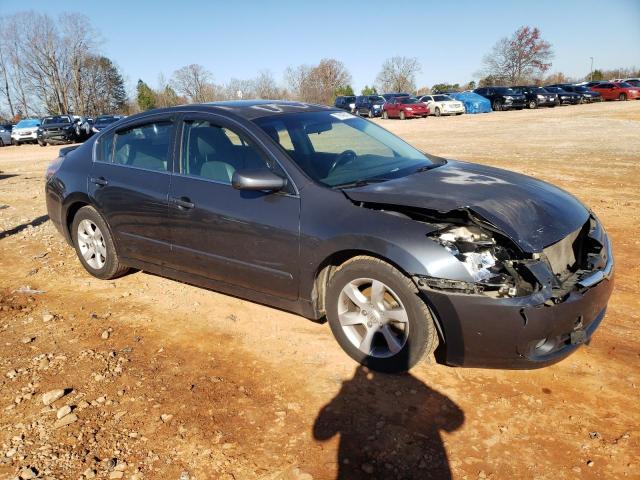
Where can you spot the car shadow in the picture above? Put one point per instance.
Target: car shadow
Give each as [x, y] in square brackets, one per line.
[33, 223]
[4, 176]
[389, 427]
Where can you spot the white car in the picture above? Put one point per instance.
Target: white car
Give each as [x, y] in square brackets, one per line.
[26, 130]
[442, 105]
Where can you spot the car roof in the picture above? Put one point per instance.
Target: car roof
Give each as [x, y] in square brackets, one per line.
[247, 109]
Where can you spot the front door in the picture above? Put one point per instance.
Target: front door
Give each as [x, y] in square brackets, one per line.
[129, 184]
[244, 238]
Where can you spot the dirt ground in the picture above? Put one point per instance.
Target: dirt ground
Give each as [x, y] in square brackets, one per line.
[170, 381]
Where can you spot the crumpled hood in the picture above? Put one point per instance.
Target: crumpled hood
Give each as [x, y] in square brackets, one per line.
[533, 213]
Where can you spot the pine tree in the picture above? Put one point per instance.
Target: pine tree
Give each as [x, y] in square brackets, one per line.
[146, 97]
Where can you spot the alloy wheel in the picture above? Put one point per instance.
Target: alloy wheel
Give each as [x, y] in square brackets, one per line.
[373, 317]
[91, 244]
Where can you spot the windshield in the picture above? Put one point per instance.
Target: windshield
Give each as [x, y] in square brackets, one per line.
[27, 123]
[377, 100]
[337, 149]
[554, 89]
[505, 91]
[538, 90]
[408, 100]
[57, 119]
[442, 98]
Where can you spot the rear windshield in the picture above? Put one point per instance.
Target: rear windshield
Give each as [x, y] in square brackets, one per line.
[625, 85]
[505, 91]
[408, 100]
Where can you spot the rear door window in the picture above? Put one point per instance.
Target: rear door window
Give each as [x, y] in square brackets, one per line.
[145, 146]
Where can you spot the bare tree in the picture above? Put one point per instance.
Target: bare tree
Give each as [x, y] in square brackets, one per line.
[266, 87]
[518, 58]
[318, 84]
[4, 74]
[195, 82]
[237, 89]
[398, 74]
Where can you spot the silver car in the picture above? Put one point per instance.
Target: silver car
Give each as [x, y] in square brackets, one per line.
[26, 130]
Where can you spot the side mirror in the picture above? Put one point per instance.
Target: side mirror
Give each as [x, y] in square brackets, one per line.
[260, 179]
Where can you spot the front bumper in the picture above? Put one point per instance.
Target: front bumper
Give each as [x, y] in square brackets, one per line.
[22, 137]
[522, 332]
[57, 136]
[417, 114]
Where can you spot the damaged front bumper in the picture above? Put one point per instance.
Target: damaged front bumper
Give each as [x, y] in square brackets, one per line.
[522, 332]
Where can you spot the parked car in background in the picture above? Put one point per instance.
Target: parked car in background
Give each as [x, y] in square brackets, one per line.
[25, 131]
[564, 97]
[509, 271]
[633, 81]
[473, 103]
[587, 95]
[83, 127]
[591, 84]
[442, 105]
[59, 129]
[536, 96]
[5, 136]
[369, 105]
[347, 103]
[404, 107]
[502, 98]
[103, 121]
[617, 91]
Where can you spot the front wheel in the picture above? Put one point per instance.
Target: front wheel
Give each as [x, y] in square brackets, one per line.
[623, 97]
[437, 112]
[402, 115]
[497, 105]
[385, 115]
[42, 143]
[370, 114]
[377, 316]
[94, 245]
[533, 104]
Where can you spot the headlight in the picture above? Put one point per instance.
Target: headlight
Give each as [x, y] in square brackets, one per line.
[508, 97]
[540, 97]
[481, 256]
[409, 109]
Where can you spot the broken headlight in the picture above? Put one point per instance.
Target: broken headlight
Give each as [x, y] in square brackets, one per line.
[486, 262]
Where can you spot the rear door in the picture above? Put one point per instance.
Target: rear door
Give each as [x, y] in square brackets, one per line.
[129, 184]
[245, 238]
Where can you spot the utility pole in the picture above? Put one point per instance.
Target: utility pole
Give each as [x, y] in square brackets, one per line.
[591, 75]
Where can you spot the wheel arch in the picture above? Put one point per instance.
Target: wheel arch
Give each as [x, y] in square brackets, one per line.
[329, 265]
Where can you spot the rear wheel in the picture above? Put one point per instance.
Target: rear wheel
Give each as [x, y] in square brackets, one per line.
[402, 115]
[94, 245]
[377, 316]
[42, 143]
[622, 97]
[497, 105]
[1, 143]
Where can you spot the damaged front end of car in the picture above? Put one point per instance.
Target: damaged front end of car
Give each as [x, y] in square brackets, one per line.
[513, 308]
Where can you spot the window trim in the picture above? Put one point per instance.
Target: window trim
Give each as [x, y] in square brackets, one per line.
[138, 121]
[233, 125]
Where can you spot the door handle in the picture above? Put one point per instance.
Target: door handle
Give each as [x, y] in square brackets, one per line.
[183, 203]
[100, 181]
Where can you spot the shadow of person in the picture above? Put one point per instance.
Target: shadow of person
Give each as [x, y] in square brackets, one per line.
[389, 427]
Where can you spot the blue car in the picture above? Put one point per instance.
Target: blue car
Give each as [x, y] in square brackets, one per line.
[473, 103]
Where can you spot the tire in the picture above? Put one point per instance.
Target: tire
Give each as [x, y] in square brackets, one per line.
[1, 143]
[532, 104]
[385, 115]
[411, 345]
[623, 97]
[437, 112]
[497, 105]
[402, 115]
[370, 114]
[41, 143]
[104, 263]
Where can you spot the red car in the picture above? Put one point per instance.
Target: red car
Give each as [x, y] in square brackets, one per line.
[617, 91]
[404, 107]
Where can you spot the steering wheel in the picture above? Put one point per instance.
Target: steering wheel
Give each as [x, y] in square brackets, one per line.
[344, 158]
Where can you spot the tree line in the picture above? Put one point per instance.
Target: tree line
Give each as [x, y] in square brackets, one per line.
[54, 66]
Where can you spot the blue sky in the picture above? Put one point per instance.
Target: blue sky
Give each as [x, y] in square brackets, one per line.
[240, 38]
